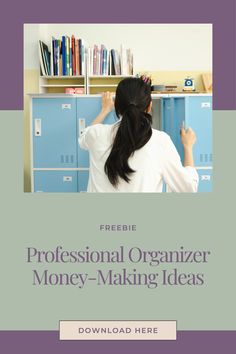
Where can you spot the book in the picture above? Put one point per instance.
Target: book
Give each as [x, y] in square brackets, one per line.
[46, 55]
[63, 49]
[60, 59]
[58, 56]
[55, 56]
[41, 60]
[77, 57]
[52, 56]
[90, 62]
[105, 62]
[70, 56]
[98, 65]
[67, 56]
[73, 56]
[95, 53]
[110, 63]
[102, 58]
[70, 41]
[82, 56]
[115, 62]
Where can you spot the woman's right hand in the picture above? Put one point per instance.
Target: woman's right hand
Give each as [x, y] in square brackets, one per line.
[188, 137]
[107, 102]
[107, 107]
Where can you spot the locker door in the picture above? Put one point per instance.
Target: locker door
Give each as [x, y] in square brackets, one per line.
[83, 177]
[167, 115]
[54, 132]
[55, 181]
[199, 117]
[205, 180]
[179, 121]
[173, 116]
[87, 110]
[156, 113]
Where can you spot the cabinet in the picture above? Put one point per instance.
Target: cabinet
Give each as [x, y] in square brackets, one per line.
[97, 83]
[60, 165]
[58, 84]
[54, 132]
[90, 84]
[195, 112]
[205, 179]
[55, 181]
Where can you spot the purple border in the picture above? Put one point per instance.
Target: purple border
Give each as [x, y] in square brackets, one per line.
[221, 13]
[47, 342]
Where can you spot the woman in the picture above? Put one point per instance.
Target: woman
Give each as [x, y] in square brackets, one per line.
[130, 156]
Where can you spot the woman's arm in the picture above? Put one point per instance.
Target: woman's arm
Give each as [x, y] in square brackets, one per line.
[107, 107]
[177, 177]
[89, 135]
[188, 138]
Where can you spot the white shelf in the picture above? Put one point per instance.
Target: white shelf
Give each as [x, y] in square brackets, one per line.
[156, 95]
[103, 85]
[109, 76]
[56, 82]
[60, 85]
[62, 77]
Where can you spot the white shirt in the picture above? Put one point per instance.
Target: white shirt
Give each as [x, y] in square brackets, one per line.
[156, 162]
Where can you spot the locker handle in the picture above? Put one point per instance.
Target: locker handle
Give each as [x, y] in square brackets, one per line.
[66, 106]
[81, 126]
[67, 178]
[205, 177]
[37, 127]
[205, 105]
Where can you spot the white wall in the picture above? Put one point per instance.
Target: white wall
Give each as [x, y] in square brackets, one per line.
[166, 47]
[31, 51]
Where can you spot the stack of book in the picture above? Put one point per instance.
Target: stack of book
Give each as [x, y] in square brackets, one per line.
[45, 59]
[104, 62]
[66, 58]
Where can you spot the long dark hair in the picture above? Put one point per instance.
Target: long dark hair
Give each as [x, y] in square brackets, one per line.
[133, 97]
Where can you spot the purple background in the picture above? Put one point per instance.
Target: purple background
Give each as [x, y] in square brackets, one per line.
[188, 342]
[14, 14]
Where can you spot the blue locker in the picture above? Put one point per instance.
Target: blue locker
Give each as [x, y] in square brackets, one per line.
[199, 117]
[156, 113]
[54, 132]
[179, 117]
[167, 114]
[55, 181]
[83, 177]
[58, 122]
[205, 180]
[173, 113]
[194, 112]
[87, 110]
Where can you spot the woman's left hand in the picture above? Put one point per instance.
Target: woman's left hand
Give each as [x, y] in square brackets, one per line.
[107, 102]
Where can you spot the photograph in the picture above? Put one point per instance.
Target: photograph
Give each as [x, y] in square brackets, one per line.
[118, 108]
